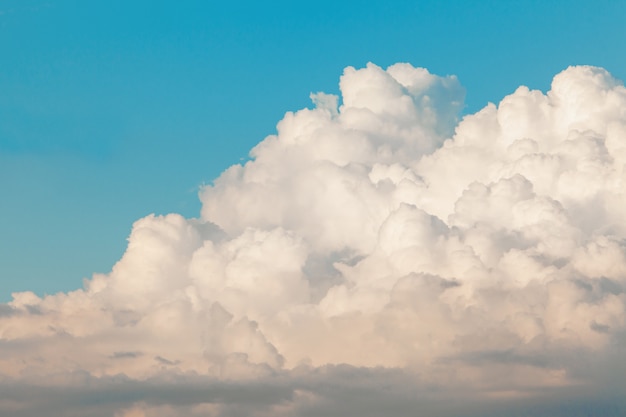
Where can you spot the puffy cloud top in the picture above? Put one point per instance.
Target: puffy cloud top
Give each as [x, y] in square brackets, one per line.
[376, 232]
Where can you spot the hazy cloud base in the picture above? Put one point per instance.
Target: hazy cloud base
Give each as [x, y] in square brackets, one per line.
[375, 257]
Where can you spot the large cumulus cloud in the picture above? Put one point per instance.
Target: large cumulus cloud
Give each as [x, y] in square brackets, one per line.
[376, 250]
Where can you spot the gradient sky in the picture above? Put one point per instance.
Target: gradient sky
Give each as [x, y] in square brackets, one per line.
[361, 209]
[111, 110]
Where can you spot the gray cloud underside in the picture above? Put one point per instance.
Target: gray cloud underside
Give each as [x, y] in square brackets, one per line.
[329, 391]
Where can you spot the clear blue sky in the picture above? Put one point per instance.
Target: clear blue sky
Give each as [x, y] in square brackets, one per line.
[111, 110]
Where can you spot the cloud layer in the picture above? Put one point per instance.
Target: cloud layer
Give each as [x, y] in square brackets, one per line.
[375, 256]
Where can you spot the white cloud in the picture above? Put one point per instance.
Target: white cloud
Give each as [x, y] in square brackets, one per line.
[375, 245]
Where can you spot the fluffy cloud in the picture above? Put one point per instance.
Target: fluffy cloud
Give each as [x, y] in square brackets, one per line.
[376, 255]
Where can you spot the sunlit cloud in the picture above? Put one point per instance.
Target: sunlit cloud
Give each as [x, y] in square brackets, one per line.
[376, 255]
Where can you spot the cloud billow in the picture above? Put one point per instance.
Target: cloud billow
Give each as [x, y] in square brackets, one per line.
[375, 248]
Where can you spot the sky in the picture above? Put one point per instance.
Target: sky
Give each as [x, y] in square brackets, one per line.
[112, 110]
[312, 208]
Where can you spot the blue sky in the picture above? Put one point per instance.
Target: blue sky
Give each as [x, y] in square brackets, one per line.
[361, 264]
[111, 110]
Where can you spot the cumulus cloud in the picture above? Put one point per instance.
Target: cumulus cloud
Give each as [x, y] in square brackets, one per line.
[375, 256]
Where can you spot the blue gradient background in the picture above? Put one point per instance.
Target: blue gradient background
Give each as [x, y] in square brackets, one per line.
[111, 110]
